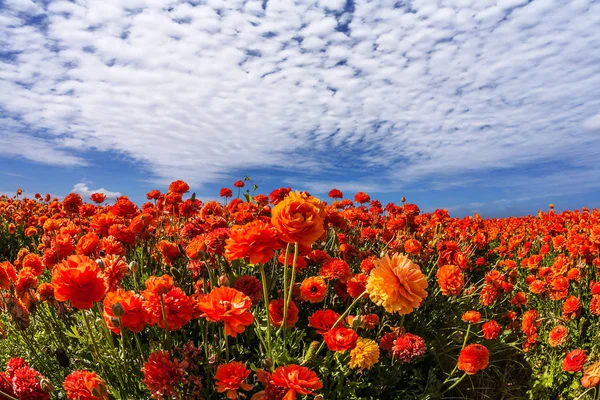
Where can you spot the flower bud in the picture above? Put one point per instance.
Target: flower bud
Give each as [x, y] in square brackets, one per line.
[46, 385]
[100, 263]
[223, 280]
[267, 363]
[118, 310]
[134, 266]
[115, 322]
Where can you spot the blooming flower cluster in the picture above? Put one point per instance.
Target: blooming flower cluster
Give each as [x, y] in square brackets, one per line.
[285, 295]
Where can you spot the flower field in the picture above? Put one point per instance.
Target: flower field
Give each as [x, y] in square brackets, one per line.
[287, 296]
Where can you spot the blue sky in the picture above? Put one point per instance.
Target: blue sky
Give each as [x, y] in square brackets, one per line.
[488, 106]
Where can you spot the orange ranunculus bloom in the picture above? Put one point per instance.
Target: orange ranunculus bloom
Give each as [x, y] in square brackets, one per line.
[131, 303]
[196, 247]
[340, 339]
[256, 240]
[313, 289]
[85, 385]
[397, 284]
[7, 274]
[472, 316]
[79, 280]
[33, 262]
[450, 280]
[98, 197]
[179, 308]
[276, 313]
[179, 186]
[230, 378]
[228, 305]
[412, 246]
[591, 376]
[87, 244]
[473, 358]
[169, 251]
[115, 269]
[557, 336]
[296, 379]
[299, 218]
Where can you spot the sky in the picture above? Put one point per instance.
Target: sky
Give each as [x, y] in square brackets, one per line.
[487, 106]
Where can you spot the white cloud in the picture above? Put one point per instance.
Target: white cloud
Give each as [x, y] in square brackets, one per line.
[592, 124]
[429, 89]
[84, 190]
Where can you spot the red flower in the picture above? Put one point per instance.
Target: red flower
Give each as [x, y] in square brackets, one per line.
[178, 307]
[491, 330]
[179, 187]
[335, 194]
[408, 347]
[239, 184]
[473, 358]
[362, 197]
[574, 360]
[335, 268]
[98, 197]
[79, 280]
[276, 313]
[230, 378]
[412, 246]
[313, 289]
[340, 339]
[225, 192]
[162, 375]
[356, 285]
[85, 385]
[250, 286]
[296, 379]
[323, 320]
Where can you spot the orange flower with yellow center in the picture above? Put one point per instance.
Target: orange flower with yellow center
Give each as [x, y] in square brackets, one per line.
[397, 284]
[299, 218]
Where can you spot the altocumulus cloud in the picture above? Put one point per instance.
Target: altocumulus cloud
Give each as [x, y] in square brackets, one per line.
[196, 90]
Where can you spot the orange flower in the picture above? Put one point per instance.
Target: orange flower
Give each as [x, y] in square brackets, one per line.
[299, 218]
[169, 251]
[571, 308]
[472, 317]
[7, 274]
[230, 378]
[256, 240]
[591, 376]
[412, 246]
[98, 197]
[228, 305]
[87, 244]
[473, 358]
[397, 284]
[356, 285]
[79, 280]
[34, 263]
[162, 375]
[276, 313]
[340, 339]
[130, 306]
[115, 269]
[85, 385]
[491, 330]
[557, 336]
[313, 289]
[196, 247]
[179, 187]
[450, 280]
[296, 379]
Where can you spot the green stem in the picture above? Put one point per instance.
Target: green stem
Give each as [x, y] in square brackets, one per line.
[89, 329]
[263, 277]
[167, 336]
[290, 290]
[463, 346]
[226, 346]
[455, 383]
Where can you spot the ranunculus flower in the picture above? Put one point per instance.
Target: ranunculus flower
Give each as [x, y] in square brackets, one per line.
[79, 280]
[473, 358]
[299, 218]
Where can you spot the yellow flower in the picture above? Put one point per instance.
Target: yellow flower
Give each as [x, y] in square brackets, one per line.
[365, 354]
[397, 284]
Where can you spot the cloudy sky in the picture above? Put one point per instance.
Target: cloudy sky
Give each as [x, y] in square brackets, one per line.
[472, 105]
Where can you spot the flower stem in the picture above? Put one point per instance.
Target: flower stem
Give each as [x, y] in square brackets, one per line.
[263, 277]
[90, 333]
[340, 319]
